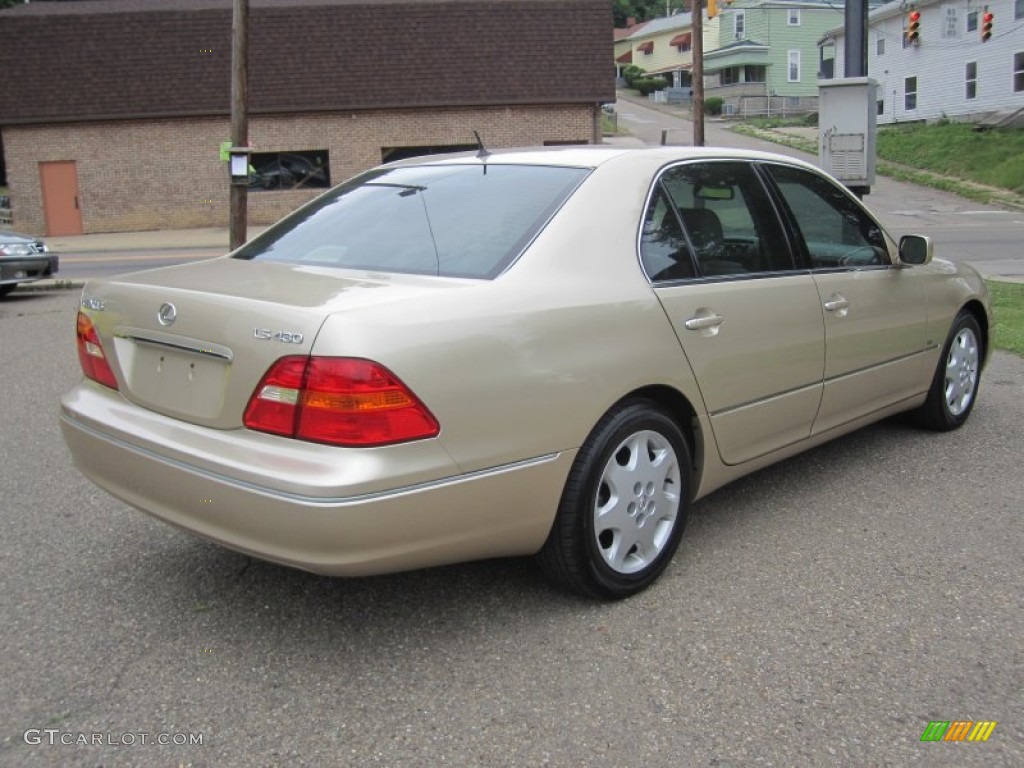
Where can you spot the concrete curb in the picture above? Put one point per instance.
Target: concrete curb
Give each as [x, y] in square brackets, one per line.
[52, 284]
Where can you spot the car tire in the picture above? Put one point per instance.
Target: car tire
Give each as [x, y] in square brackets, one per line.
[7, 288]
[954, 387]
[624, 507]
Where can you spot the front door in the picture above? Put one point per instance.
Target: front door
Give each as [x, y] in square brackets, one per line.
[876, 328]
[61, 209]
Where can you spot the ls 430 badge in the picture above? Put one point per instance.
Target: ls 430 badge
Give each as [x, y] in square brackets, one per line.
[288, 337]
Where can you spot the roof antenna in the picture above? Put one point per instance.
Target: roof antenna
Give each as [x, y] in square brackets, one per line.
[483, 154]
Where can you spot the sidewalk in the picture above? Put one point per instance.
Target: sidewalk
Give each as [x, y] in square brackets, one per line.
[154, 240]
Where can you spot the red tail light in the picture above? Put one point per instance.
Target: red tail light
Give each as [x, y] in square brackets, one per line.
[338, 400]
[90, 354]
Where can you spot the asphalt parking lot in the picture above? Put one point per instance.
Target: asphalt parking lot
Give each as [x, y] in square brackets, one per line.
[819, 613]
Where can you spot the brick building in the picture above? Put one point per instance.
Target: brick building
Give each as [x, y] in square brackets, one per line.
[112, 111]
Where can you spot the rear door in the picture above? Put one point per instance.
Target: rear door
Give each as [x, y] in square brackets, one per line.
[749, 321]
[876, 322]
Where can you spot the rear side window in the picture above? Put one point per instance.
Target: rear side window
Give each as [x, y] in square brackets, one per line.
[447, 220]
[721, 210]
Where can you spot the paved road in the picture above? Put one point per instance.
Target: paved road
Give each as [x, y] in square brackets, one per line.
[985, 236]
[78, 265]
[819, 613]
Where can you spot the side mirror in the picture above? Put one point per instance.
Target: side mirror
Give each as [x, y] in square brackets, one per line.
[916, 250]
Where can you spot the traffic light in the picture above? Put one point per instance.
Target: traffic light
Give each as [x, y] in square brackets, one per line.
[712, 9]
[914, 26]
[986, 26]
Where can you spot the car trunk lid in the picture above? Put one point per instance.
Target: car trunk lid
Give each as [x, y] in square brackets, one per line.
[192, 342]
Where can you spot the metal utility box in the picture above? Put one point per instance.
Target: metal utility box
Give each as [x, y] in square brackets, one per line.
[846, 121]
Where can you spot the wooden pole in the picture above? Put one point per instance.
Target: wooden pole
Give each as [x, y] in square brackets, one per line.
[697, 73]
[239, 114]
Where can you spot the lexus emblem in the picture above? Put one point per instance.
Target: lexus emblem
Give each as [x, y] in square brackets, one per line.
[167, 313]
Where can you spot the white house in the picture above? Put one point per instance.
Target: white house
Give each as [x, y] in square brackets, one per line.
[949, 71]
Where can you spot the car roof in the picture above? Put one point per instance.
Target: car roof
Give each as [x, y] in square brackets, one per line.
[595, 155]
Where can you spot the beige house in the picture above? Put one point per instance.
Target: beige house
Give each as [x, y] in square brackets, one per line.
[113, 111]
[663, 47]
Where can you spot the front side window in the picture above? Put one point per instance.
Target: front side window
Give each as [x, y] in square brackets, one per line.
[836, 230]
[451, 220]
[971, 79]
[712, 219]
[910, 93]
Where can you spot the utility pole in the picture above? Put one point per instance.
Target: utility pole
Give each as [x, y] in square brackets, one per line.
[855, 53]
[239, 114]
[697, 73]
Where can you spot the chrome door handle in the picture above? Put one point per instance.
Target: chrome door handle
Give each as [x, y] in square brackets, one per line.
[704, 321]
[836, 303]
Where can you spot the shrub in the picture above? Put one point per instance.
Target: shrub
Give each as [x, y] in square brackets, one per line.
[631, 74]
[648, 85]
[713, 105]
[811, 119]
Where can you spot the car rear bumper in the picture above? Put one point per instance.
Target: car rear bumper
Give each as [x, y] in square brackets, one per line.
[25, 269]
[359, 530]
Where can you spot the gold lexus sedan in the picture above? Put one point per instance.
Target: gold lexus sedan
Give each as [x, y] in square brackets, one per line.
[550, 352]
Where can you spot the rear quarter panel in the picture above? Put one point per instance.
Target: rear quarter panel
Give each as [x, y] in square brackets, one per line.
[526, 364]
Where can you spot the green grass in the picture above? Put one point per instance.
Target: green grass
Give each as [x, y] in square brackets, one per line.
[786, 140]
[1008, 304]
[993, 158]
[610, 126]
[984, 166]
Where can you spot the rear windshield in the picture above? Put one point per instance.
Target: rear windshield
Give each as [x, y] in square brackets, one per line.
[448, 220]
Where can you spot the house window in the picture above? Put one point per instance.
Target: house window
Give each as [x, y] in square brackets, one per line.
[740, 25]
[972, 20]
[1018, 72]
[880, 106]
[305, 169]
[731, 76]
[794, 17]
[949, 30]
[880, 45]
[794, 67]
[971, 79]
[910, 93]
[1018, 9]
[647, 48]
[757, 73]
[391, 154]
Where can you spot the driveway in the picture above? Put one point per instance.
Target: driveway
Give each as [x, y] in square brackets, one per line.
[819, 613]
